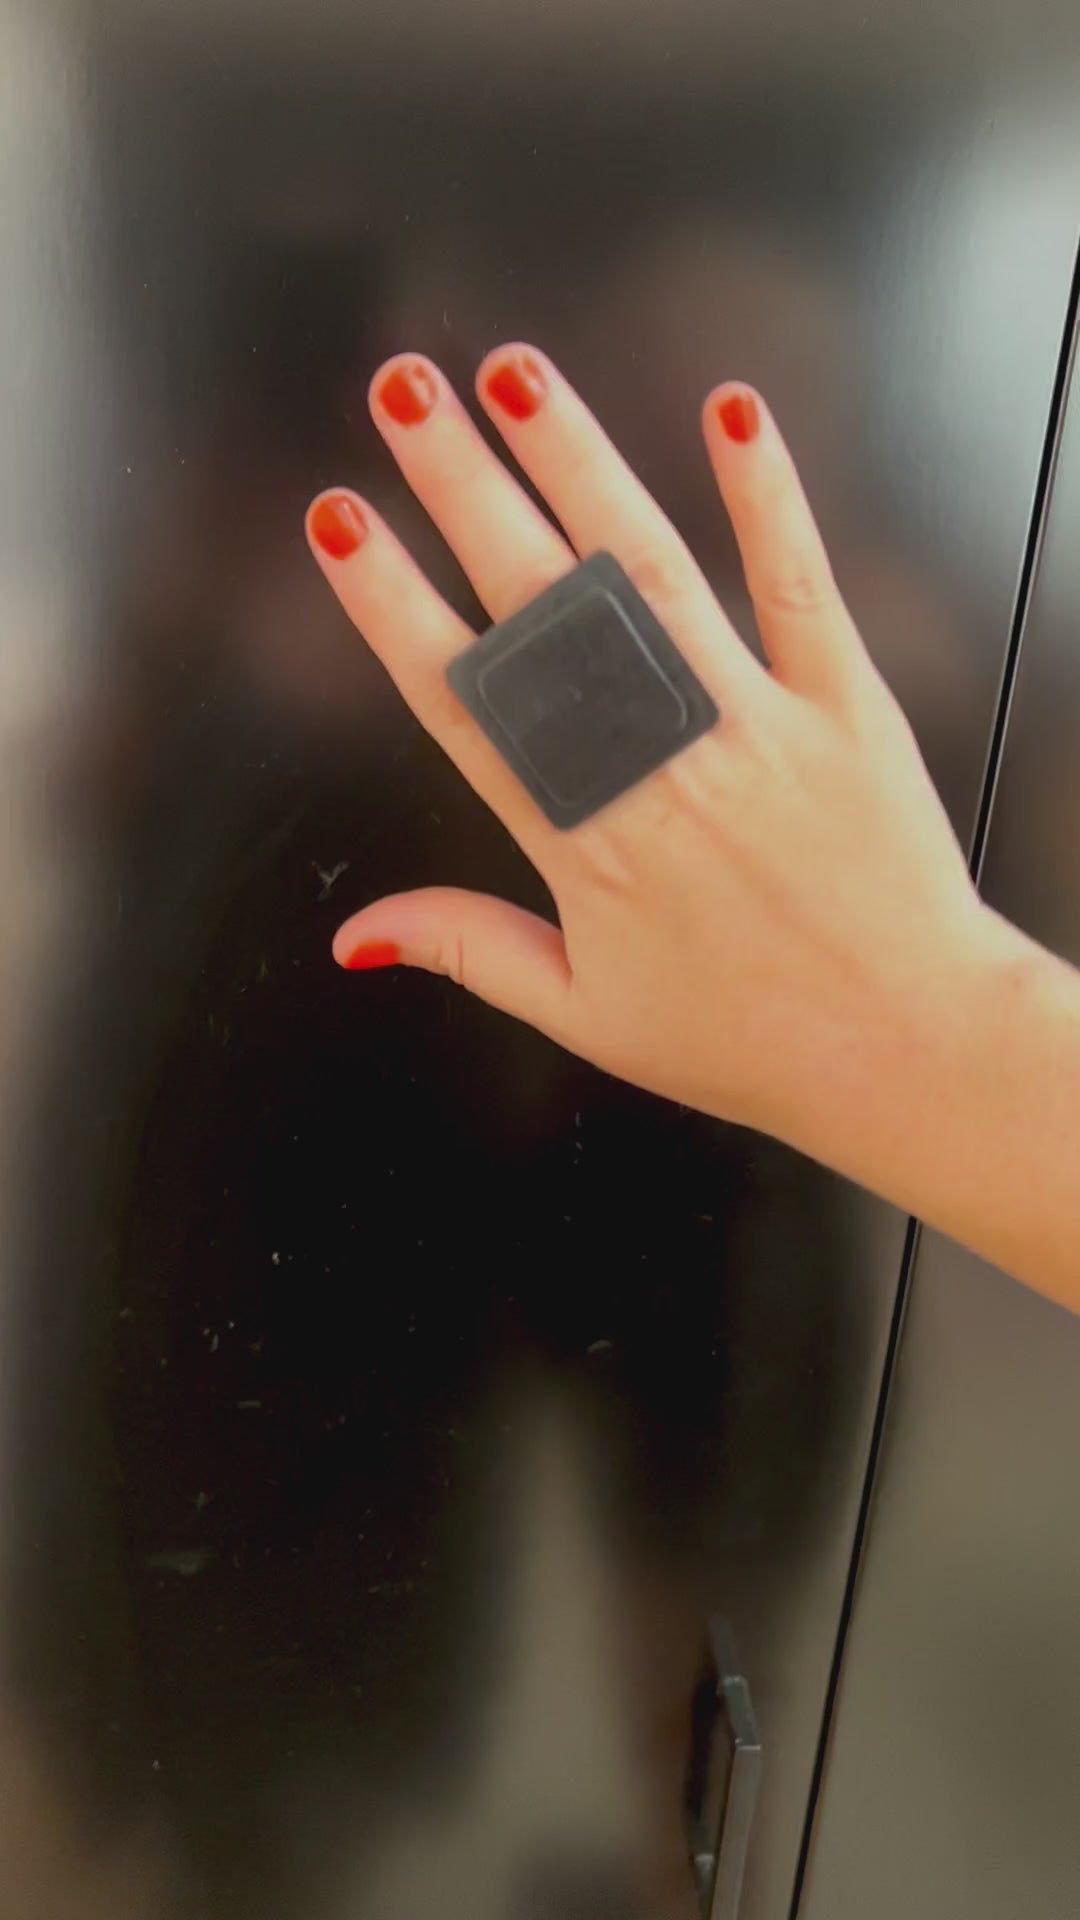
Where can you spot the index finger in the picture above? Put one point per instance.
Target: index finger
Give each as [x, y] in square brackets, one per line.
[415, 634]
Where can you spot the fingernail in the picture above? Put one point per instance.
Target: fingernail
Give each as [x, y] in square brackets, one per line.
[517, 386]
[372, 953]
[738, 415]
[337, 525]
[408, 393]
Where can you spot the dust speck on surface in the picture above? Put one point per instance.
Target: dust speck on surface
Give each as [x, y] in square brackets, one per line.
[329, 876]
[186, 1561]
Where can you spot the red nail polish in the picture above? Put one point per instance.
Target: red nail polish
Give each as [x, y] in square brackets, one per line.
[738, 415]
[517, 386]
[373, 953]
[337, 526]
[408, 394]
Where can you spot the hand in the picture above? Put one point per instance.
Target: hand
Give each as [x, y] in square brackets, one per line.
[776, 923]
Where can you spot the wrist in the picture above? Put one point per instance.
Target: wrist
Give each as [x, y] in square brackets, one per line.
[982, 1134]
[920, 1062]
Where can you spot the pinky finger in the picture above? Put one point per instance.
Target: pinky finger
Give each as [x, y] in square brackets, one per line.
[806, 630]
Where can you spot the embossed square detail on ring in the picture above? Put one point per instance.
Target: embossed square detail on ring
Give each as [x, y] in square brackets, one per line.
[583, 691]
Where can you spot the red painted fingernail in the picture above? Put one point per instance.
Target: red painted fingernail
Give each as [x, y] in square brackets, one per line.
[738, 415]
[337, 525]
[408, 393]
[517, 386]
[373, 953]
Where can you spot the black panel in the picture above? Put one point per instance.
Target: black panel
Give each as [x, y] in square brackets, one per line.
[378, 1442]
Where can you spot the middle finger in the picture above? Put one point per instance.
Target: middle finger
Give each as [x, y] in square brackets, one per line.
[603, 505]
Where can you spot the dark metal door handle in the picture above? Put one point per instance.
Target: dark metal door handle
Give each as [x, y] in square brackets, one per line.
[724, 1774]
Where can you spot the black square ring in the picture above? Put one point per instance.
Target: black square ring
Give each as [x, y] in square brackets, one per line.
[583, 691]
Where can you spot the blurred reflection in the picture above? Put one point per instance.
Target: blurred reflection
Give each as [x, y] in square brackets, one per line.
[390, 1399]
[51, 1870]
[548, 1779]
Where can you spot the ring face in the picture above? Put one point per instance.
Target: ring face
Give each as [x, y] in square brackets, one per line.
[583, 691]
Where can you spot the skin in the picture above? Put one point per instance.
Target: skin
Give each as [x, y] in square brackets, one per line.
[778, 927]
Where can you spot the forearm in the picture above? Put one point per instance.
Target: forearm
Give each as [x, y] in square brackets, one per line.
[980, 1134]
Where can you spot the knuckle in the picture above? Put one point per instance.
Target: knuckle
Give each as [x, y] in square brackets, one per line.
[661, 570]
[684, 790]
[652, 575]
[450, 958]
[605, 863]
[516, 587]
[436, 706]
[701, 782]
[793, 592]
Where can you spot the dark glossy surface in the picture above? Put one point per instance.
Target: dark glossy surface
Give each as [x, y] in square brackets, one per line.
[954, 1776]
[387, 1399]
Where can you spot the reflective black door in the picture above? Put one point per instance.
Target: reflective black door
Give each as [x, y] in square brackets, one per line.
[391, 1401]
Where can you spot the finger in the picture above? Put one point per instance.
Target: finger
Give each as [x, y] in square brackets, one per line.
[512, 959]
[604, 507]
[505, 545]
[414, 633]
[807, 632]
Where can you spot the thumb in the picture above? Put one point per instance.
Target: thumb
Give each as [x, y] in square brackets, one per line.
[512, 959]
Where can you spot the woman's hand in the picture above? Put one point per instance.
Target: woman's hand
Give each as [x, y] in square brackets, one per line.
[779, 921]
